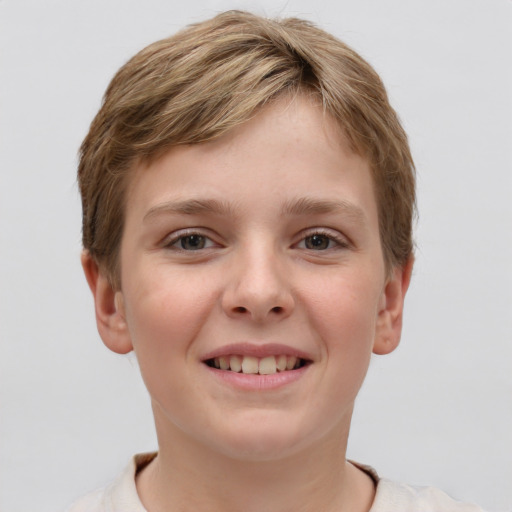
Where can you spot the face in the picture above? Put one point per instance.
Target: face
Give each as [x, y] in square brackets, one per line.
[253, 286]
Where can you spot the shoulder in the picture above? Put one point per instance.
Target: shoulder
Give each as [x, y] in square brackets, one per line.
[393, 496]
[398, 497]
[120, 496]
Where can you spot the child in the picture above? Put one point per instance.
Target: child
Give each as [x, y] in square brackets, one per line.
[248, 196]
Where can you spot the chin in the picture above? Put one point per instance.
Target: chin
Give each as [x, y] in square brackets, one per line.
[261, 441]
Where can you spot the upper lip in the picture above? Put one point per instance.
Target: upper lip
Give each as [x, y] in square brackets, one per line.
[259, 350]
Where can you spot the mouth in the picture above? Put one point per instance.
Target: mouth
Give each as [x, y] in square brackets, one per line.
[267, 365]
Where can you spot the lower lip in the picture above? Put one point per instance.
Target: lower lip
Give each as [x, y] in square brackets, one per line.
[256, 382]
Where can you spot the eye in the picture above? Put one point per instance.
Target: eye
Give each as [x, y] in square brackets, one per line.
[190, 242]
[322, 241]
[318, 242]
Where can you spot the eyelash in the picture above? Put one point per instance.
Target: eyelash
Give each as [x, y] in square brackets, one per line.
[175, 238]
[339, 241]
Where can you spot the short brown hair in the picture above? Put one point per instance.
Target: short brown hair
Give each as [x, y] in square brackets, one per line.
[215, 75]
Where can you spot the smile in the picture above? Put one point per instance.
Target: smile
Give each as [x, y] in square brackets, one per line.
[257, 365]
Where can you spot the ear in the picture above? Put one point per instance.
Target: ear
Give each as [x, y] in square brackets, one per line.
[389, 321]
[109, 307]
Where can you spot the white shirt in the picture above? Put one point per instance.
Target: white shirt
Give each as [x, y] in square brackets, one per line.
[121, 495]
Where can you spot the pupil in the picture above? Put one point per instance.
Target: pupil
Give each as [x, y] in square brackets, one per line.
[317, 242]
[192, 242]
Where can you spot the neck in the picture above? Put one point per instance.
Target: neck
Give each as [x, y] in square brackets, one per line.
[186, 475]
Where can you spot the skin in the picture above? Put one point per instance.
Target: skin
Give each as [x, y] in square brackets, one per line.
[285, 218]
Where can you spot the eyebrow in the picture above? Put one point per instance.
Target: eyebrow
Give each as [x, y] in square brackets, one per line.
[310, 206]
[294, 207]
[190, 207]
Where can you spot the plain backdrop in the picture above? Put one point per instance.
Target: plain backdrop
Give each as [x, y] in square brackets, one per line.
[438, 411]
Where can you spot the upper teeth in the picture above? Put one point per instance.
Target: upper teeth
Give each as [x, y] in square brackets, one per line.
[263, 366]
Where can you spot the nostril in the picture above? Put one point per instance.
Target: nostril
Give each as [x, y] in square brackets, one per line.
[240, 309]
[277, 309]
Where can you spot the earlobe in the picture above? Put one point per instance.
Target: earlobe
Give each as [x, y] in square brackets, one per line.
[109, 307]
[389, 321]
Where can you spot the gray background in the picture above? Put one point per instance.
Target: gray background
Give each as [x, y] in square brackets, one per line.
[438, 411]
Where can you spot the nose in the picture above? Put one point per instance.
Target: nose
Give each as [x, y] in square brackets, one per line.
[259, 288]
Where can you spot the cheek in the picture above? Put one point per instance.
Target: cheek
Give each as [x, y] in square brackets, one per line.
[164, 316]
[345, 320]
[347, 306]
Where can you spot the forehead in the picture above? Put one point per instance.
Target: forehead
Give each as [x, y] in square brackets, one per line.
[290, 150]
